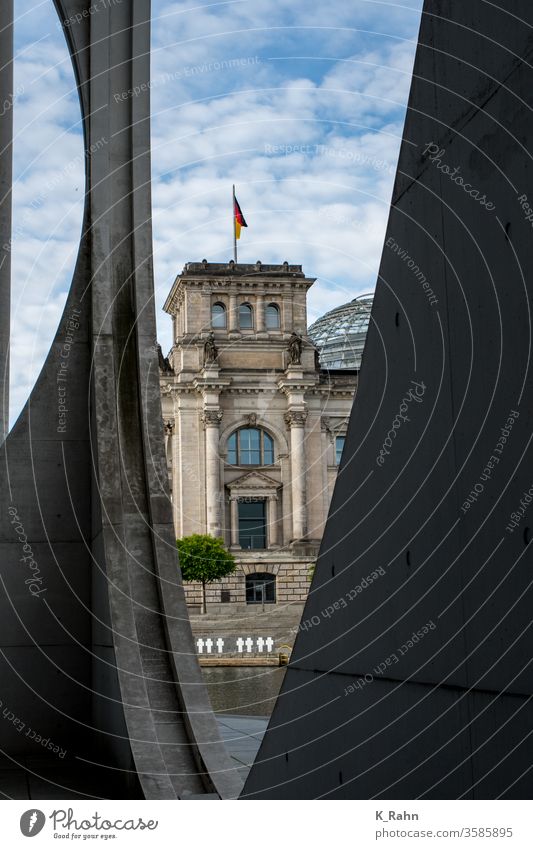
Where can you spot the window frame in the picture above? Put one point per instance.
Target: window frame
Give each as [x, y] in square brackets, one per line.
[261, 577]
[223, 314]
[277, 310]
[338, 457]
[250, 312]
[235, 450]
[260, 528]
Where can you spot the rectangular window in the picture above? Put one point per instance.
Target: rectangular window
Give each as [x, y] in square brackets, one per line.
[252, 524]
[339, 448]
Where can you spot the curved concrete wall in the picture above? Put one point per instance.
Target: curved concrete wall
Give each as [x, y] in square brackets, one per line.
[101, 691]
[412, 675]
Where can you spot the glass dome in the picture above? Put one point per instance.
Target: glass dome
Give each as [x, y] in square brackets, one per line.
[340, 334]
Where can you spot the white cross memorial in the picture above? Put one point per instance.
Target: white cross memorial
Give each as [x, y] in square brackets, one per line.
[260, 644]
[209, 645]
[249, 644]
[200, 645]
[220, 645]
[269, 642]
[240, 644]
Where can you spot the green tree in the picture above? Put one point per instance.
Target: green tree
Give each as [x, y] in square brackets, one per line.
[204, 558]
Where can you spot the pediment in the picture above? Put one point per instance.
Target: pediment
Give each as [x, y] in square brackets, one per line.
[253, 481]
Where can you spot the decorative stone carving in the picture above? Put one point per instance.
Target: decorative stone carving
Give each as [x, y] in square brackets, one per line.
[295, 418]
[251, 419]
[210, 350]
[169, 428]
[295, 350]
[211, 418]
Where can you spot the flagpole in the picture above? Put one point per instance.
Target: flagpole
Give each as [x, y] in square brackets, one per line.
[234, 229]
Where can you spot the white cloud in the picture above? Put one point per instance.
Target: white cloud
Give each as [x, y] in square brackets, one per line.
[325, 84]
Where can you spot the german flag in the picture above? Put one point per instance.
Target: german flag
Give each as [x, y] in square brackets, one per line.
[239, 218]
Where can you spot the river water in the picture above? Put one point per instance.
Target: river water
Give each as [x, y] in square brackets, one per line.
[243, 690]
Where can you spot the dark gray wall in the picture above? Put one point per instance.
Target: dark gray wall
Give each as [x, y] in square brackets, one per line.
[448, 713]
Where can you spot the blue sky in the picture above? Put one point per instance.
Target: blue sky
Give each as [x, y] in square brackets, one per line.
[300, 104]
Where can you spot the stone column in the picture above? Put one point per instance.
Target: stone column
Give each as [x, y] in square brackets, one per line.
[234, 502]
[296, 422]
[6, 171]
[325, 443]
[177, 501]
[233, 324]
[211, 420]
[260, 314]
[272, 521]
[169, 451]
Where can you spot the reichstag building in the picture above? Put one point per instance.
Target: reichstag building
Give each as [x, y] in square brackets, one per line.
[255, 408]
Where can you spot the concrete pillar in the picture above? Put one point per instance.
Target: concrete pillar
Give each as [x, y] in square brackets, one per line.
[296, 422]
[234, 522]
[211, 420]
[6, 175]
[272, 519]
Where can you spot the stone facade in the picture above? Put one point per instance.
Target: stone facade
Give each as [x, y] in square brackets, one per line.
[254, 427]
[292, 581]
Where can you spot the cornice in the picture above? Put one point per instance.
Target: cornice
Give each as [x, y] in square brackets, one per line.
[277, 280]
[210, 384]
[288, 386]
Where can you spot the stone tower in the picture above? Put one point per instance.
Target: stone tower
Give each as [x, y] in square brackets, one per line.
[251, 420]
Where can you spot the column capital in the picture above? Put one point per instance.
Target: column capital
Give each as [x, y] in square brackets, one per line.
[211, 418]
[295, 418]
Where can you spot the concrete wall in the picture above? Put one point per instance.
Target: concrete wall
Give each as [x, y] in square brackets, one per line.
[96, 646]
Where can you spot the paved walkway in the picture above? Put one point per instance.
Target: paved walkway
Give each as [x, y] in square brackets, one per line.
[242, 736]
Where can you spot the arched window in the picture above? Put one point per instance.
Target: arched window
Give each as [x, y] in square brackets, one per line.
[261, 588]
[218, 316]
[272, 317]
[246, 317]
[250, 446]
